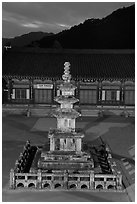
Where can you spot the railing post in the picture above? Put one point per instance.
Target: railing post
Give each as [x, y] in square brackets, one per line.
[91, 186]
[52, 181]
[65, 180]
[105, 183]
[39, 180]
[12, 179]
[119, 181]
[78, 183]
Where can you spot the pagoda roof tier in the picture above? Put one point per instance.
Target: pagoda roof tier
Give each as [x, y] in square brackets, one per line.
[65, 113]
[67, 99]
[60, 133]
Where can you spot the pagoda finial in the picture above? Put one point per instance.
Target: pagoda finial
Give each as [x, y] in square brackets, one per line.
[66, 76]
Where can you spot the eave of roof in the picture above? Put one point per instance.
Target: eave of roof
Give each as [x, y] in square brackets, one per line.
[85, 64]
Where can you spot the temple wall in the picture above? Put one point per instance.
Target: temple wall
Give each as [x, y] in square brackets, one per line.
[106, 93]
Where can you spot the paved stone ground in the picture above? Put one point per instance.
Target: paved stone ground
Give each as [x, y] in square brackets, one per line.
[64, 196]
[117, 132]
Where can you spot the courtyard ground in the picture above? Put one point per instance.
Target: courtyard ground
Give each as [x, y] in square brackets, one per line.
[117, 132]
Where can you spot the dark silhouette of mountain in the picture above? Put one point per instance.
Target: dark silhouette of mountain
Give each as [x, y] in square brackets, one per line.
[116, 31]
[24, 40]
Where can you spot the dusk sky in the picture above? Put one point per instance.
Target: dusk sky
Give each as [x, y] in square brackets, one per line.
[24, 17]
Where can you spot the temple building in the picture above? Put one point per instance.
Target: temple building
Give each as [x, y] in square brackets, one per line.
[104, 78]
[66, 164]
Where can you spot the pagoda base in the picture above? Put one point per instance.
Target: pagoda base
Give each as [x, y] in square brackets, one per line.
[65, 160]
[61, 174]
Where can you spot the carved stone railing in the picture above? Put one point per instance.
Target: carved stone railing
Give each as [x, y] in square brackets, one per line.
[65, 180]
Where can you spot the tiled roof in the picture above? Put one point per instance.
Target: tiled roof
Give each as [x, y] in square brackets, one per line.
[84, 63]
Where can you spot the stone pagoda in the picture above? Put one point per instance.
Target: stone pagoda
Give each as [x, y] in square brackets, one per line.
[64, 164]
[66, 141]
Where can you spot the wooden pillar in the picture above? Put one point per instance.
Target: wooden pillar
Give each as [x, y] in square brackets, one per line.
[77, 91]
[9, 90]
[100, 92]
[122, 93]
[31, 91]
[54, 91]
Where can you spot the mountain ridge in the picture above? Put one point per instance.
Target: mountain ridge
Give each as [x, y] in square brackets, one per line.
[116, 31]
[25, 39]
